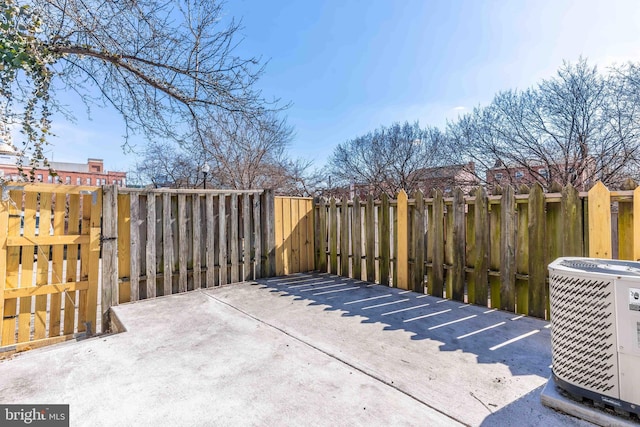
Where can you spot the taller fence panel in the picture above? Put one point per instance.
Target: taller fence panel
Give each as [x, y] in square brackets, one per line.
[488, 250]
[294, 234]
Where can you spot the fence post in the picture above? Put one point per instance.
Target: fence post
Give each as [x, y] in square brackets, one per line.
[333, 237]
[418, 243]
[385, 240]
[403, 241]
[109, 240]
[344, 237]
[599, 221]
[481, 262]
[269, 237]
[537, 266]
[370, 244]
[435, 282]
[321, 235]
[356, 236]
[507, 250]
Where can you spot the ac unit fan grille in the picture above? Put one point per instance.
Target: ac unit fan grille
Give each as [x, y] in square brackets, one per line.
[583, 333]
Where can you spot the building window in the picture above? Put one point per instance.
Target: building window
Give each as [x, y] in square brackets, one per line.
[114, 181]
[519, 174]
[543, 172]
[88, 181]
[78, 181]
[49, 179]
[39, 177]
[498, 176]
[67, 180]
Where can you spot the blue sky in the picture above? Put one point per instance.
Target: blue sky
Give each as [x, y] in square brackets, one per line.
[348, 67]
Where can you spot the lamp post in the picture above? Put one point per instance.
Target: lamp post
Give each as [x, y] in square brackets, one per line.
[205, 170]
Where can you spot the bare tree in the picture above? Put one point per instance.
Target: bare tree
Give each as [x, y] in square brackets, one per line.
[575, 128]
[387, 159]
[164, 65]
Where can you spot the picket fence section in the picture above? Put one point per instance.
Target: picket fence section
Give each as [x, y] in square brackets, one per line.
[491, 250]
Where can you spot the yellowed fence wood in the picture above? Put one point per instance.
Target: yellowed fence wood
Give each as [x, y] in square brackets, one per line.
[636, 224]
[279, 233]
[481, 256]
[73, 300]
[537, 302]
[57, 266]
[4, 225]
[522, 253]
[286, 235]
[599, 222]
[24, 316]
[310, 265]
[333, 237]
[459, 262]
[356, 240]
[124, 247]
[403, 241]
[344, 238]
[94, 259]
[150, 246]
[134, 250]
[14, 206]
[47, 289]
[435, 281]
[233, 238]
[370, 243]
[418, 243]
[294, 236]
[507, 250]
[42, 273]
[385, 240]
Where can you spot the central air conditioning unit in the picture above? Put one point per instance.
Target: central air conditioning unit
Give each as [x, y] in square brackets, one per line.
[595, 330]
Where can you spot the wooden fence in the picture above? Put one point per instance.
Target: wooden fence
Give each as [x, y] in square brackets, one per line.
[49, 263]
[294, 251]
[487, 250]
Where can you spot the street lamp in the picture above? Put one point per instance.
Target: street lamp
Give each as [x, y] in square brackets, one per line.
[205, 170]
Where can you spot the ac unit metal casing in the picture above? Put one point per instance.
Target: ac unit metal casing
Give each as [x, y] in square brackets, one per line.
[595, 329]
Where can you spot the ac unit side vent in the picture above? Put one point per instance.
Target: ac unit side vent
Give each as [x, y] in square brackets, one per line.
[583, 332]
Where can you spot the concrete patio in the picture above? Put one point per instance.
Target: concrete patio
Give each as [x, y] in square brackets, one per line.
[308, 349]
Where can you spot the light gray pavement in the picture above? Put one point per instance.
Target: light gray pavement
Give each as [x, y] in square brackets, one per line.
[301, 350]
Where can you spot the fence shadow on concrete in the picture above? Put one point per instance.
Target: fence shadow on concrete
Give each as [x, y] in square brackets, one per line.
[521, 343]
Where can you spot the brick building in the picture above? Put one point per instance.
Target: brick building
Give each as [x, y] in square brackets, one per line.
[90, 173]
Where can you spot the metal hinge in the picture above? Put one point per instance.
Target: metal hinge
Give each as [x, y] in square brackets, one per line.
[103, 238]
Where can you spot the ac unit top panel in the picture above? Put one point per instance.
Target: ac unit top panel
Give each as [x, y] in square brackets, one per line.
[607, 267]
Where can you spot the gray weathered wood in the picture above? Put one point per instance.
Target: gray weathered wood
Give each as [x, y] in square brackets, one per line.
[370, 244]
[417, 243]
[269, 240]
[459, 241]
[507, 250]
[196, 241]
[233, 239]
[183, 250]
[356, 236]
[223, 259]
[333, 237]
[246, 238]
[210, 257]
[572, 236]
[385, 240]
[151, 245]
[435, 283]
[344, 238]
[522, 254]
[109, 250]
[167, 244]
[134, 204]
[481, 262]
[537, 265]
[257, 238]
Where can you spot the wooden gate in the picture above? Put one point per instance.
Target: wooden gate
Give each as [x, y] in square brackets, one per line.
[49, 263]
[294, 235]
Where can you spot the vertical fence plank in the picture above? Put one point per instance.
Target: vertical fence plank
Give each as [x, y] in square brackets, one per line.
[246, 238]
[257, 238]
[183, 247]
[333, 237]
[385, 239]
[150, 251]
[80, 221]
[494, 253]
[435, 282]
[636, 224]
[94, 261]
[507, 250]
[344, 237]
[459, 240]
[42, 272]
[571, 214]
[356, 239]
[418, 243]
[599, 202]
[196, 241]
[322, 236]
[370, 244]
[4, 226]
[167, 244]
[24, 316]
[286, 236]
[625, 224]
[123, 242]
[109, 250]
[233, 239]
[57, 266]
[12, 266]
[481, 255]
[403, 241]
[134, 251]
[537, 265]
[269, 244]
[470, 250]
[522, 252]
[279, 230]
[210, 255]
[310, 240]
[222, 239]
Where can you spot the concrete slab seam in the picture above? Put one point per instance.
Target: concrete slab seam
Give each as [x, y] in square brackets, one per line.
[333, 356]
